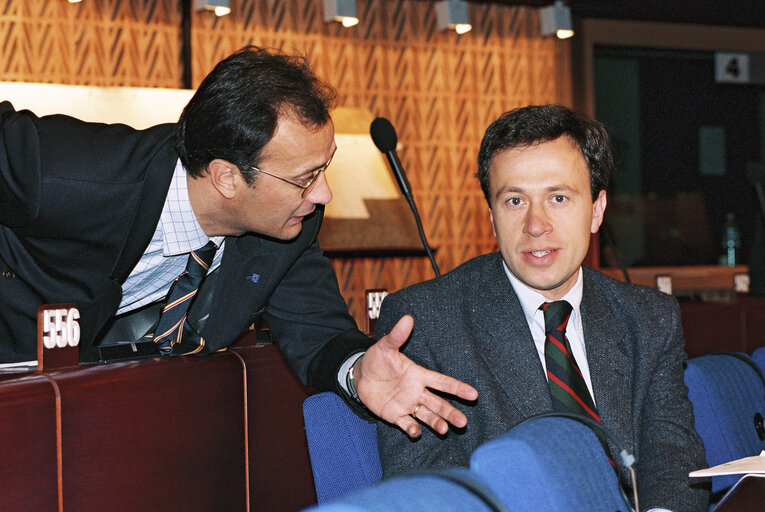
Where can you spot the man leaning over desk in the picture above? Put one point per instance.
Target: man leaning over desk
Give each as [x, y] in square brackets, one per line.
[106, 217]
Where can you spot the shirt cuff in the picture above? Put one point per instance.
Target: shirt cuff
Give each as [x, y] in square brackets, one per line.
[342, 373]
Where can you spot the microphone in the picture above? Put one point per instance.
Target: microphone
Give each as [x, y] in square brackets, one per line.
[385, 138]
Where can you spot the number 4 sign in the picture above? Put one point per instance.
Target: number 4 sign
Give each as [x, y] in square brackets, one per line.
[732, 68]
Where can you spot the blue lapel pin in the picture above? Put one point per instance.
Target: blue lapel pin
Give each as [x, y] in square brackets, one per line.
[254, 278]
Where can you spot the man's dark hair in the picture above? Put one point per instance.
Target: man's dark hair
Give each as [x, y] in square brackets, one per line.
[234, 112]
[535, 124]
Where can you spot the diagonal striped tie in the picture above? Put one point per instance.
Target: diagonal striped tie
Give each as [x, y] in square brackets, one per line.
[568, 390]
[172, 335]
[567, 387]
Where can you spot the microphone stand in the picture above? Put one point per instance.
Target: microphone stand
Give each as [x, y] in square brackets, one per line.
[410, 200]
[406, 189]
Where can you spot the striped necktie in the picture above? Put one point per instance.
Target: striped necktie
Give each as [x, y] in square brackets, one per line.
[173, 335]
[567, 387]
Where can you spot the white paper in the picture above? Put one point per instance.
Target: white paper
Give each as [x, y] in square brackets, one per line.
[754, 465]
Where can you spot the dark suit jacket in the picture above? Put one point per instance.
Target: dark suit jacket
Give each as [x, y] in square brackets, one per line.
[79, 203]
[469, 324]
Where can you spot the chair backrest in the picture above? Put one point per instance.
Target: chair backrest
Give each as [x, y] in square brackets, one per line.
[455, 490]
[550, 463]
[342, 446]
[727, 392]
[758, 356]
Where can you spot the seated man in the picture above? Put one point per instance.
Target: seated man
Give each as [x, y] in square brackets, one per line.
[544, 172]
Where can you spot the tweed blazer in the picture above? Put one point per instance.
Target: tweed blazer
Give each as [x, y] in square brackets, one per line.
[469, 324]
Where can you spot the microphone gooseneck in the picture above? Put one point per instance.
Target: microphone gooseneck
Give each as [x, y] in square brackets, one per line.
[385, 138]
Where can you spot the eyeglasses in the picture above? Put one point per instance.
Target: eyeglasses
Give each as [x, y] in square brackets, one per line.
[308, 183]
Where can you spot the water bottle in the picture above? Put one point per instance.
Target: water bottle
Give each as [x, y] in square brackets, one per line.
[731, 242]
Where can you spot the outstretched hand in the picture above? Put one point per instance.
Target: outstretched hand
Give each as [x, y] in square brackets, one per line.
[396, 389]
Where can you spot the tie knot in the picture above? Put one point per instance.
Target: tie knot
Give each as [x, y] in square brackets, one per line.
[200, 259]
[556, 315]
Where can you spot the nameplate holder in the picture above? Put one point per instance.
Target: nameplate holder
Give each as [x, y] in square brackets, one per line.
[664, 284]
[374, 302]
[58, 336]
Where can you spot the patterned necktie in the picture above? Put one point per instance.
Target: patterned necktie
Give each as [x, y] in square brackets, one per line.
[172, 334]
[567, 387]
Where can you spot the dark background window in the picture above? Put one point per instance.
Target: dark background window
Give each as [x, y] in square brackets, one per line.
[682, 143]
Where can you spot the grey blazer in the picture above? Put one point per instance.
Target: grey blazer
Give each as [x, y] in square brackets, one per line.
[469, 324]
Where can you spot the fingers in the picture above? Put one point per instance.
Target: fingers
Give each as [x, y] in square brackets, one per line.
[432, 419]
[435, 412]
[399, 334]
[438, 414]
[410, 426]
[451, 386]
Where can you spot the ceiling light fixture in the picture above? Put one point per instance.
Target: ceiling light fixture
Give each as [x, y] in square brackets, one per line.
[219, 7]
[453, 15]
[343, 11]
[556, 19]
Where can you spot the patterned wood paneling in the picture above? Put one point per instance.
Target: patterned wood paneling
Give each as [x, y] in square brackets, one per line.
[440, 90]
[95, 42]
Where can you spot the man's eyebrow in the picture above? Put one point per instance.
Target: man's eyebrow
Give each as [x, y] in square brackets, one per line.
[508, 190]
[561, 188]
[314, 169]
[518, 190]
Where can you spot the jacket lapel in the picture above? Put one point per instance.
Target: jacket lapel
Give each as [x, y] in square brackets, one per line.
[156, 183]
[238, 292]
[610, 366]
[507, 345]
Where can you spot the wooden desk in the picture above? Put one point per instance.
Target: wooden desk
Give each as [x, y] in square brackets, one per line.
[713, 326]
[222, 432]
[28, 465]
[280, 468]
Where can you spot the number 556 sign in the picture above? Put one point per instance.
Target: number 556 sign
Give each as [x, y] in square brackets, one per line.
[58, 330]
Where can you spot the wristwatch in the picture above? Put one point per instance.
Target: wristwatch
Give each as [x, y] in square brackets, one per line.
[349, 379]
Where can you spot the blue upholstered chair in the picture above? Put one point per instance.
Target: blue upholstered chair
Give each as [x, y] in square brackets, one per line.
[444, 491]
[728, 396]
[758, 356]
[550, 463]
[342, 446]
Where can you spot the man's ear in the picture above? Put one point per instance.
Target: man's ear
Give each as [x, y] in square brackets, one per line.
[491, 219]
[224, 177]
[598, 210]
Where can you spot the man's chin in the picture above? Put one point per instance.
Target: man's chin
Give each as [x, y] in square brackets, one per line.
[291, 231]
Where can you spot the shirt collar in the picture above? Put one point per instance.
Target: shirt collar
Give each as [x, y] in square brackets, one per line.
[181, 230]
[531, 300]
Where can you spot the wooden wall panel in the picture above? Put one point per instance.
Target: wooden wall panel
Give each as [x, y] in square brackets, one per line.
[95, 42]
[439, 90]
